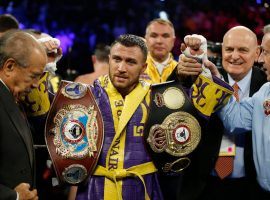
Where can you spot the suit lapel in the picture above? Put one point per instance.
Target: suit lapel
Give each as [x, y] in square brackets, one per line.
[224, 74]
[16, 117]
[257, 80]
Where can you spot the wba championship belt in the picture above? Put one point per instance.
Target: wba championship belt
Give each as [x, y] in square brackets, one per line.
[172, 132]
[74, 133]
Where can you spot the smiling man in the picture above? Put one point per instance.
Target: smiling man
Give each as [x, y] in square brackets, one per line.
[239, 52]
[253, 114]
[214, 180]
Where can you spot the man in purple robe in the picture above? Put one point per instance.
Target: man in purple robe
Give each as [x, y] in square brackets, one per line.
[124, 169]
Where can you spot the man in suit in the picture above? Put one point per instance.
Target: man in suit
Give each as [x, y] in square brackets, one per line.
[22, 61]
[201, 181]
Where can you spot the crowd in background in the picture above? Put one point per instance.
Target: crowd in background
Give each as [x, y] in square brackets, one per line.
[81, 25]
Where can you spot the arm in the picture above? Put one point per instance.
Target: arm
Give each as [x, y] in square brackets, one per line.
[237, 116]
[248, 114]
[194, 59]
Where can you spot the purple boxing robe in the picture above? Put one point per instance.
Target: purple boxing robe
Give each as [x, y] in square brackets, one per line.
[134, 154]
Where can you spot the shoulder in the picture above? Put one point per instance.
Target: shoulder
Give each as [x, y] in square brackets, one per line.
[266, 86]
[86, 78]
[258, 77]
[263, 92]
[258, 72]
[82, 78]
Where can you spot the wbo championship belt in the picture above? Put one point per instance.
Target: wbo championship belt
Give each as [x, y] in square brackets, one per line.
[74, 133]
[171, 132]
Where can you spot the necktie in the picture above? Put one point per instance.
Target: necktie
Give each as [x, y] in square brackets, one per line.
[224, 164]
[236, 90]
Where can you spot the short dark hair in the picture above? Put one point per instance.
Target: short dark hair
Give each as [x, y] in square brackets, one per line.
[8, 22]
[102, 52]
[18, 45]
[129, 40]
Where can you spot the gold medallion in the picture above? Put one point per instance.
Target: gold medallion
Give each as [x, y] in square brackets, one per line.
[178, 135]
[173, 98]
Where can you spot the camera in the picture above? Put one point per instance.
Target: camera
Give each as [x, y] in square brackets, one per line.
[214, 50]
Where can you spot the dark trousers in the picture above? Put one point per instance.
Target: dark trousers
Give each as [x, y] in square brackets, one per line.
[170, 186]
[229, 188]
[262, 194]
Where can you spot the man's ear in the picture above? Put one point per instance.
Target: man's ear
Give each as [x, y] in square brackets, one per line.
[8, 66]
[144, 68]
[94, 59]
[258, 51]
[174, 38]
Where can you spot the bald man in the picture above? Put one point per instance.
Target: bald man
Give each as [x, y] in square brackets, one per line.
[204, 179]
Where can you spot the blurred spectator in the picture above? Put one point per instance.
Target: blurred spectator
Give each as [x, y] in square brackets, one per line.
[203, 17]
[100, 61]
[8, 22]
[159, 37]
[266, 29]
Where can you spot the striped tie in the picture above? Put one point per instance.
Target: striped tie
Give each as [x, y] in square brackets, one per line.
[224, 164]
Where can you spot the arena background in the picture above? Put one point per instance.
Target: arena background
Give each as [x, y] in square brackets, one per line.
[82, 24]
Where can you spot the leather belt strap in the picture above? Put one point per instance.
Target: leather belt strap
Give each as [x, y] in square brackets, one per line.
[74, 133]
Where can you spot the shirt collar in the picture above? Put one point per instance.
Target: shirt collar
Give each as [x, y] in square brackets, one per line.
[164, 63]
[244, 83]
[4, 84]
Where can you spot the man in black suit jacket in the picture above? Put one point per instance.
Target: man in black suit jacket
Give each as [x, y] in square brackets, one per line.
[200, 181]
[22, 60]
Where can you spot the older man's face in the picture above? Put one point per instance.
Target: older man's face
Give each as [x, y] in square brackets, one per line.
[239, 52]
[265, 54]
[26, 78]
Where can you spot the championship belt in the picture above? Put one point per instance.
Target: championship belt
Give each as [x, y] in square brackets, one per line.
[172, 132]
[74, 133]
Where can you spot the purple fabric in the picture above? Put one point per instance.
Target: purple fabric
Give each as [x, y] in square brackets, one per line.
[135, 154]
[222, 83]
